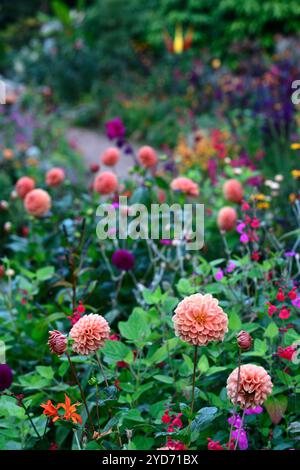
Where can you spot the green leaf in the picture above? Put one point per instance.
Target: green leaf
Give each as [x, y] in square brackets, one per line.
[116, 351]
[185, 288]
[272, 331]
[45, 371]
[202, 419]
[164, 378]
[45, 273]
[234, 321]
[136, 328]
[203, 364]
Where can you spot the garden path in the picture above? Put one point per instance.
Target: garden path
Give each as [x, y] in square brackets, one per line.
[91, 144]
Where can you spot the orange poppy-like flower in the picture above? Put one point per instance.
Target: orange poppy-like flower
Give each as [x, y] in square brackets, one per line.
[70, 410]
[50, 410]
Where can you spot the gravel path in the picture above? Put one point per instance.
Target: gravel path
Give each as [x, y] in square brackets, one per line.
[91, 144]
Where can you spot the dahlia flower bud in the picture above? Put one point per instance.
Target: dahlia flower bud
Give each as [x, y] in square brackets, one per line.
[57, 342]
[244, 340]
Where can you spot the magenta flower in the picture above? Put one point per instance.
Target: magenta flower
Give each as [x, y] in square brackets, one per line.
[123, 260]
[6, 377]
[115, 129]
[244, 238]
[219, 275]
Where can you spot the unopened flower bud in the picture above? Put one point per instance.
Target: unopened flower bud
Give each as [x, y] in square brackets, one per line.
[244, 340]
[57, 342]
[3, 205]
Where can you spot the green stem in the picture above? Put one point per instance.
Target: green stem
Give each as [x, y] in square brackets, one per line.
[194, 379]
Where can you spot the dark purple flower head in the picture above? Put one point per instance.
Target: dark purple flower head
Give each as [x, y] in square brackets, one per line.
[6, 377]
[115, 129]
[123, 260]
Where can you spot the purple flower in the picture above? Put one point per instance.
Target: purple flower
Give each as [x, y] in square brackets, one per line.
[219, 275]
[123, 260]
[6, 377]
[230, 267]
[290, 254]
[296, 302]
[244, 238]
[240, 227]
[235, 420]
[115, 129]
[241, 435]
[254, 411]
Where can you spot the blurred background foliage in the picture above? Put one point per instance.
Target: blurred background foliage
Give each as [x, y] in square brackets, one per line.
[112, 57]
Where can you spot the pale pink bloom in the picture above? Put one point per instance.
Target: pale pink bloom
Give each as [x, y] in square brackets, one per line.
[55, 177]
[89, 334]
[227, 218]
[24, 185]
[111, 156]
[147, 156]
[254, 386]
[233, 191]
[199, 319]
[185, 185]
[105, 183]
[37, 202]
[57, 342]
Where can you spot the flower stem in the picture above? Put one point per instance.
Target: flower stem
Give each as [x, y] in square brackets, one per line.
[194, 379]
[102, 369]
[236, 397]
[81, 391]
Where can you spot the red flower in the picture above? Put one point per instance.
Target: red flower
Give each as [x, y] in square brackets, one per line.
[271, 309]
[292, 294]
[255, 223]
[177, 421]
[114, 337]
[286, 353]
[280, 296]
[214, 445]
[122, 364]
[284, 313]
[166, 418]
[255, 256]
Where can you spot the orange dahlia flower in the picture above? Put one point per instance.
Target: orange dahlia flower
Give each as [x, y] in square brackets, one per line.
[254, 386]
[89, 334]
[199, 319]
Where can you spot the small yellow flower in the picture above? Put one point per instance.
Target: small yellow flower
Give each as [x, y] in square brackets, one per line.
[295, 173]
[263, 205]
[295, 146]
[292, 198]
[216, 63]
[258, 197]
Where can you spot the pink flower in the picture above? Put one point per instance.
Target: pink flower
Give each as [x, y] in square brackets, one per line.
[254, 386]
[185, 185]
[233, 191]
[57, 342]
[199, 319]
[271, 309]
[105, 183]
[214, 445]
[284, 313]
[89, 334]
[286, 353]
[227, 218]
[111, 156]
[244, 238]
[24, 185]
[147, 156]
[55, 177]
[219, 275]
[37, 202]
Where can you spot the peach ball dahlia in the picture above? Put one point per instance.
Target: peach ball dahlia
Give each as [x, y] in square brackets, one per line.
[199, 319]
[254, 386]
[89, 334]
